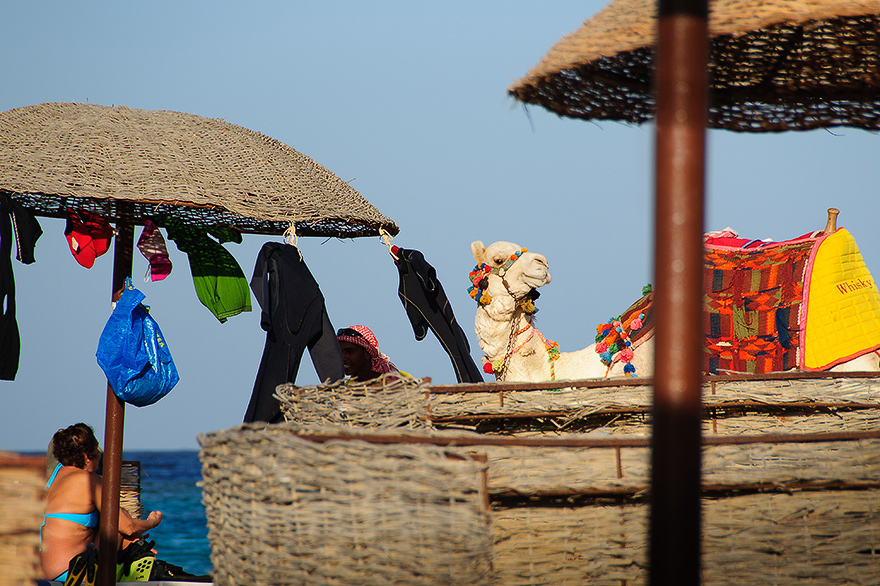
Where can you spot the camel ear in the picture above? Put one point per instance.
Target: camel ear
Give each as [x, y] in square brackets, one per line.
[479, 251]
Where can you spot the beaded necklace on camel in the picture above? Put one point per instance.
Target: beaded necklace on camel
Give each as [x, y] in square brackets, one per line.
[479, 278]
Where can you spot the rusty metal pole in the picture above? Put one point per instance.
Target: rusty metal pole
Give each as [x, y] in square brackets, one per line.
[682, 102]
[108, 531]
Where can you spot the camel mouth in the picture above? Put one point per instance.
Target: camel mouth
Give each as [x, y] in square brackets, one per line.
[538, 279]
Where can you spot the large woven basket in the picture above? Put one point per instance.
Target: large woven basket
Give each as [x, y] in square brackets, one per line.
[791, 481]
[283, 510]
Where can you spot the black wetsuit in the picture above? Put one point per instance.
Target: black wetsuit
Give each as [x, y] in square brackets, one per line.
[426, 306]
[295, 318]
[27, 231]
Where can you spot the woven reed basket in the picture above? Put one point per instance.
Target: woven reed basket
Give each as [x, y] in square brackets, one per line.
[404, 485]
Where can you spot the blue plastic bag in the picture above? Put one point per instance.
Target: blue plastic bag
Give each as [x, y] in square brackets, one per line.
[133, 353]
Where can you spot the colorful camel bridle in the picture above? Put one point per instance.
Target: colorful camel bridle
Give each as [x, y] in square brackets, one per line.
[479, 278]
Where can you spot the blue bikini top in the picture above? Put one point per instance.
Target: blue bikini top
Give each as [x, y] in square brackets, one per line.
[87, 520]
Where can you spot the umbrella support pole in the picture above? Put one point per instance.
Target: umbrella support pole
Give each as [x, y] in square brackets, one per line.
[682, 106]
[113, 425]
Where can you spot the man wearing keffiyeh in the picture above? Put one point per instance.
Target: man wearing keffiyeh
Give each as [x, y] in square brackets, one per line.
[361, 355]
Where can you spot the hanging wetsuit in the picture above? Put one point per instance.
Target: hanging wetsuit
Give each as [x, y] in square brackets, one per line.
[27, 232]
[219, 282]
[294, 318]
[426, 306]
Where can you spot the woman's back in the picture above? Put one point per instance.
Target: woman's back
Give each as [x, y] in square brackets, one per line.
[70, 520]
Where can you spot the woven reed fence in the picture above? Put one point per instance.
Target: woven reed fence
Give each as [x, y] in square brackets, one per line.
[798, 538]
[22, 480]
[458, 402]
[799, 503]
[601, 407]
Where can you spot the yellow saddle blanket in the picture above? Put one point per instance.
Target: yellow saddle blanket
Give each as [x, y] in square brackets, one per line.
[842, 309]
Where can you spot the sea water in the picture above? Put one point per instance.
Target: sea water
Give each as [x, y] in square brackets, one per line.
[169, 483]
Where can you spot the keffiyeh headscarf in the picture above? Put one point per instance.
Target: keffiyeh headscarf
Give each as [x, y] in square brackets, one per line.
[364, 337]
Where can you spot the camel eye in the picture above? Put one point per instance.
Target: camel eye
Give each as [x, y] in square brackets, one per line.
[498, 261]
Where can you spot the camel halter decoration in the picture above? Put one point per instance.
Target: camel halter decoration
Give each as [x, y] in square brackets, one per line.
[479, 277]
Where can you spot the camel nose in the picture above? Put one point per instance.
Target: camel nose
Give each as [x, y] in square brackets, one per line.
[541, 259]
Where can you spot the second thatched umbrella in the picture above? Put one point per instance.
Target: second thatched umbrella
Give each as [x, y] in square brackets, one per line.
[773, 65]
[131, 165]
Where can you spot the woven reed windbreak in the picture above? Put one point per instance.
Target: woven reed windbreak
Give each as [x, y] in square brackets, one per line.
[204, 172]
[777, 509]
[283, 510]
[774, 539]
[786, 511]
[773, 65]
[22, 483]
[631, 404]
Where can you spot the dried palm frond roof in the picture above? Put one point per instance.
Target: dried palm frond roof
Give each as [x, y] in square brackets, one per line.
[132, 164]
[773, 65]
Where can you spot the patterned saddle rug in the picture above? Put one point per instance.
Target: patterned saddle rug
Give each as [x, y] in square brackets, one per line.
[808, 303]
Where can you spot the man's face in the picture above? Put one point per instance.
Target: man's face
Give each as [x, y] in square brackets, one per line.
[356, 359]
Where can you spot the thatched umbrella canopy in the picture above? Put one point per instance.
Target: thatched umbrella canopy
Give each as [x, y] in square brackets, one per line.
[133, 164]
[130, 165]
[773, 65]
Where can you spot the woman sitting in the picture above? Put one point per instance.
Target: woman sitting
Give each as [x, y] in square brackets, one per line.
[73, 500]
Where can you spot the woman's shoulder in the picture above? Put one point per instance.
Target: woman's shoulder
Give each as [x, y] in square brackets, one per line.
[74, 475]
[74, 491]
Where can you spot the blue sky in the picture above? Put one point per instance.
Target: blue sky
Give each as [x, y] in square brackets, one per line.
[409, 101]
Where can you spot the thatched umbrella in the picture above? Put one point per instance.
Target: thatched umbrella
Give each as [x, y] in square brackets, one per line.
[743, 65]
[131, 165]
[773, 65]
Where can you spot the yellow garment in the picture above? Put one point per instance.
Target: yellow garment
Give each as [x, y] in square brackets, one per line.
[843, 308]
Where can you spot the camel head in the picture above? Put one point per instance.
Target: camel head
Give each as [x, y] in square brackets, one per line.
[505, 268]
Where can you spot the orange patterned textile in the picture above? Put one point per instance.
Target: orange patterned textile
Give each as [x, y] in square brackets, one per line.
[752, 299]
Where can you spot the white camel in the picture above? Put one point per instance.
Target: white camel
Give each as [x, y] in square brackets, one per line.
[505, 282]
[517, 351]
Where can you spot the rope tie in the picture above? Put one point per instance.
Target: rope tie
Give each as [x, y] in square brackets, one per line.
[291, 237]
[386, 237]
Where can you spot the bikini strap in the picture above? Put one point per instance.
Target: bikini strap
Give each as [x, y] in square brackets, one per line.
[54, 473]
